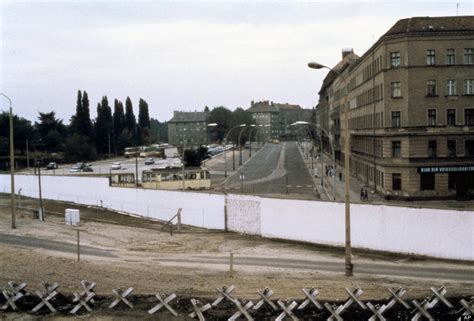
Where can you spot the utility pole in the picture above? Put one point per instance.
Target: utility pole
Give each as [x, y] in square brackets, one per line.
[136, 170]
[12, 164]
[41, 209]
[110, 152]
[27, 155]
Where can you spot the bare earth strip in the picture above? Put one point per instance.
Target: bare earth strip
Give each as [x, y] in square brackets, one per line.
[123, 251]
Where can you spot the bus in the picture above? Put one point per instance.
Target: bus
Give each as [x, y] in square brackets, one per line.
[150, 151]
[131, 152]
[172, 178]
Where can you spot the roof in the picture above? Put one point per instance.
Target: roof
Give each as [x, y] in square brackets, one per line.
[429, 25]
[340, 67]
[425, 27]
[189, 116]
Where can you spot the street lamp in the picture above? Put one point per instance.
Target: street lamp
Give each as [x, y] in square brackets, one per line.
[347, 200]
[225, 144]
[12, 163]
[240, 143]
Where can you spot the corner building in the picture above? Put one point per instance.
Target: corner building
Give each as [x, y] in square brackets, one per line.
[411, 110]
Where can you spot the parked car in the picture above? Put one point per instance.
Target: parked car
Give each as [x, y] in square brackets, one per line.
[52, 165]
[116, 166]
[76, 168]
[87, 169]
[149, 161]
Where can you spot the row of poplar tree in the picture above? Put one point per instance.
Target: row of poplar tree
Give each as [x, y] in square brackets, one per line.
[111, 131]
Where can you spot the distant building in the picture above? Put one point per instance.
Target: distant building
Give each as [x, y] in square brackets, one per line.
[274, 119]
[189, 127]
[411, 109]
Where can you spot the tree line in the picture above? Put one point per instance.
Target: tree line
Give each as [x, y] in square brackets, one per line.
[84, 138]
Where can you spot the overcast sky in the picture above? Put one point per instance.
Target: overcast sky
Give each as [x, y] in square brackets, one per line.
[186, 55]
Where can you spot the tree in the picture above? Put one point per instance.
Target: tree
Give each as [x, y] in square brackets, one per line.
[103, 126]
[86, 123]
[159, 131]
[130, 121]
[22, 130]
[194, 157]
[81, 122]
[119, 118]
[220, 116]
[78, 148]
[143, 116]
[51, 132]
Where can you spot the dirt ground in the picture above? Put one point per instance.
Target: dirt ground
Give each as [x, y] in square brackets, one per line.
[140, 250]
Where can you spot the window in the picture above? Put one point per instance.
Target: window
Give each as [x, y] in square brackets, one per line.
[431, 88]
[396, 119]
[396, 89]
[396, 149]
[430, 57]
[451, 117]
[395, 59]
[451, 148]
[431, 117]
[432, 148]
[469, 116]
[469, 56]
[450, 87]
[469, 147]
[450, 57]
[427, 181]
[396, 181]
[468, 86]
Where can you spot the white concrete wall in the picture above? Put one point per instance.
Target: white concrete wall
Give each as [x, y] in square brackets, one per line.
[198, 209]
[438, 233]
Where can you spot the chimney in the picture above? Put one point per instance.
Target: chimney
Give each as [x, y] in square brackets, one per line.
[346, 51]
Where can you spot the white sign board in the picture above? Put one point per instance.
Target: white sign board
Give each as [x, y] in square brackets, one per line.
[72, 217]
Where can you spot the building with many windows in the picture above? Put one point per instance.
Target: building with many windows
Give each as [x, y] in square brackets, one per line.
[411, 109]
[188, 127]
[274, 119]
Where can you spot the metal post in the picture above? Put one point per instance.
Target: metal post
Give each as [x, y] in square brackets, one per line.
[12, 166]
[225, 158]
[110, 152]
[233, 156]
[27, 155]
[182, 169]
[347, 198]
[136, 170]
[231, 264]
[41, 209]
[78, 247]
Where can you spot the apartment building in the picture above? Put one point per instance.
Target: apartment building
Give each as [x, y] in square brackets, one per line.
[189, 127]
[274, 119]
[411, 109]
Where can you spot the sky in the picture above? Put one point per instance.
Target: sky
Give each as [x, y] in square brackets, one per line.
[184, 55]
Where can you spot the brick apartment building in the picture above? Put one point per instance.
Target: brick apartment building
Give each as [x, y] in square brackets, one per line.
[411, 109]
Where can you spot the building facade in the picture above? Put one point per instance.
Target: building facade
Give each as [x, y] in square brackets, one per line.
[411, 109]
[188, 127]
[274, 119]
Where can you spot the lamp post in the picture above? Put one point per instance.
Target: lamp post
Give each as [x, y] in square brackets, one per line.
[12, 163]
[347, 198]
[225, 144]
[240, 143]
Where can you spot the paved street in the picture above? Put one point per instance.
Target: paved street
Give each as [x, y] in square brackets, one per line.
[274, 169]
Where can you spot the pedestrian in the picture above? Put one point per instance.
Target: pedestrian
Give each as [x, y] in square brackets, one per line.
[366, 195]
[361, 193]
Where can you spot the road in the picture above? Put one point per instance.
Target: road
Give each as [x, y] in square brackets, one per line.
[31, 242]
[368, 268]
[385, 269]
[274, 169]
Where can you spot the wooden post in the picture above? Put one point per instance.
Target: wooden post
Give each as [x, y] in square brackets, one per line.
[78, 247]
[231, 267]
